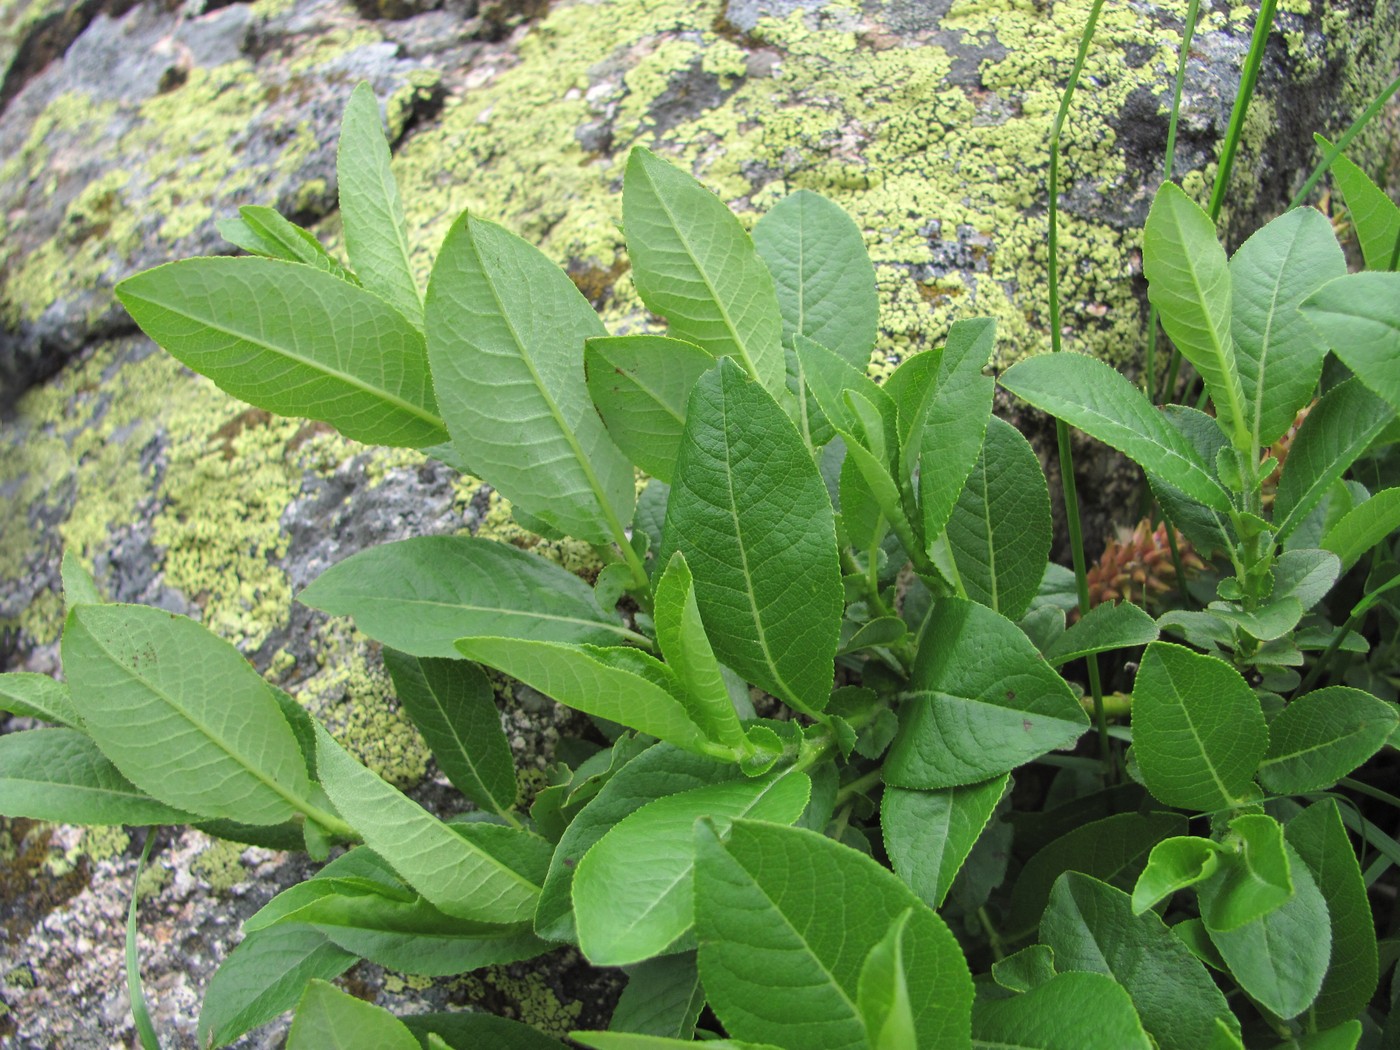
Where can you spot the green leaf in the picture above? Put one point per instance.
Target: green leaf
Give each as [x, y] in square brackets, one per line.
[663, 998]
[1345, 1036]
[263, 231]
[315, 346]
[1029, 968]
[1208, 530]
[628, 912]
[1188, 280]
[376, 236]
[999, 530]
[681, 636]
[1174, 864]
[635, 1041]
[506, 332]
[640, 385]
[964, 721]
[752, 516]
[1321, 843]
[824, 279]
[1278, 353]
[182, 714]
[453, 706]
[1322, 736]
[79, 588]
[1107, 627]
[1252, 878]
[1364, 526]
[59, 775]
[455, 874]
[1198, 730]
[1339, 428]
[929, 834]
[1112, 850]
[659, 771]
[1092, 927]
[1374, 215]
[329, 1019]
[943, 419]
[829, 377]
[883, 992]
[694, 265]
[1094, 397]
[1306, 574]
[263, 977]
[601, 682]
[773, 900]
[420, 595]
[32, 695]
[1069, 1012]
[400, 931]
[1281, 959]
[471, 1030]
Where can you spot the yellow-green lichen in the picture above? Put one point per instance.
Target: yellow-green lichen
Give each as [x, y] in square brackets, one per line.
[154, 878]
[104, 843]
[527, 998]
[220, 865]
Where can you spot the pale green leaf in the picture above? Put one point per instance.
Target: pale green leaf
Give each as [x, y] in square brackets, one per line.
[59, 775]
[452, 704]
[455, 874]
[473, 1030]
[1252, 877]
[314, 346]
[1374, 215]
[681, 636]
[663, 998]
[1173, 865]
[182, 714]
[637, 1041]
[1105, 628]
[694, 264]
[1339, 429]
[999, 530]
[1306, 574]
[1069, 1012]
[420, 595]
[79, 588]
[1280, 960]
[597, 682]
[784, 902]
[752, 516]
[640, 385]
[263, 977]
[32, 695]
[1188, 280]
[883, 992]
[506, 330]
[1029, 968]
[1322, 736]
[1198, 730]
[1321, 842]
[824, 279]
[964, 721]
[1278, 353]
[263, 231]
[1364, 526]
[929, 834]
[628, 912]
[329, 1019]
[1092, 927]
[371, 212]
[1094, 397]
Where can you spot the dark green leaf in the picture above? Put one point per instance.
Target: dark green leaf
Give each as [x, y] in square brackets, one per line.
[929, 834]
[1252, 878]
[376, 236]
[506, 333]
[420, 595]
[1091, 927]
[1029, 968]
[315, 346]
[1069, 1012]
[751, 514]
[1306, 574]
[470, 1030]
[182, 714]
[1364, 526]
[965, 721]
[823, 276]
[1107, 627]
[663, 997]
[694, 265]
[773, 900]
[329, 1019]
[1198, 730]
[1322, 736]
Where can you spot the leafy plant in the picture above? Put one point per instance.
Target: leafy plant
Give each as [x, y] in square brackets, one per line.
[827, 647]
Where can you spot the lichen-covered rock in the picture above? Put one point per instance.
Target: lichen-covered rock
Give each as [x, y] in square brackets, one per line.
[927, 121]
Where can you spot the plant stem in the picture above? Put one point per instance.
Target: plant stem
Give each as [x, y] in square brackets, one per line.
[993, 938]
[1076, 538]
[1248, 78]
[140, 1014]
[858, 786]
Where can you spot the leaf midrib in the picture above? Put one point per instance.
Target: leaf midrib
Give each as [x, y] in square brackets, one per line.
[373, 599]
[1226, 797]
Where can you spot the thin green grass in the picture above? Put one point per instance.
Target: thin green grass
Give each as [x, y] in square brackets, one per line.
[139, 1012]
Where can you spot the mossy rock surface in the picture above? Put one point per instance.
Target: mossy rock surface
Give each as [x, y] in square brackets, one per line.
[927, 121]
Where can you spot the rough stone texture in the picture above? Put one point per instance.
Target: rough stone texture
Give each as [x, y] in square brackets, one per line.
[128, 128]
